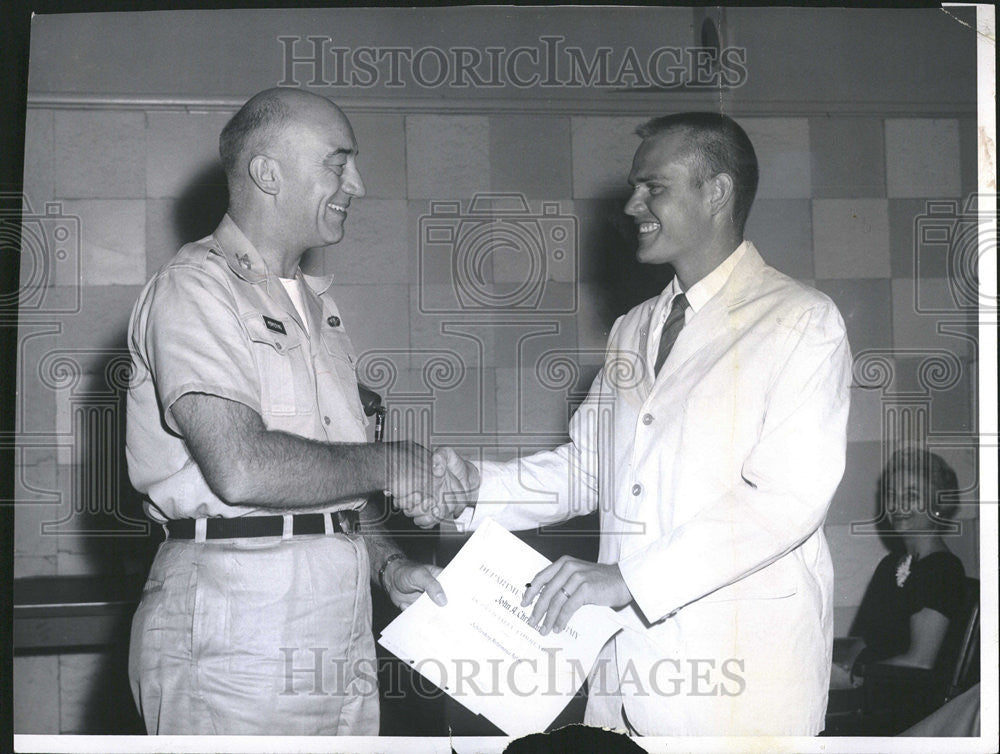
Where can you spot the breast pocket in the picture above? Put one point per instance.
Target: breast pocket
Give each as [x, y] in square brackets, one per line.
[339, 366]
[277, 355]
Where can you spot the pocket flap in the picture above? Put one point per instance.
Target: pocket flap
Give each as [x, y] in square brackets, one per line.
[338, 344]
[260, 332]
[766, 584]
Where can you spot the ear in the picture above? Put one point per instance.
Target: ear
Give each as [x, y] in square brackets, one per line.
[720, 192]
[265, 173]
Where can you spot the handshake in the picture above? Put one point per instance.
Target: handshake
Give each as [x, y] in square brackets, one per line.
[429, 487]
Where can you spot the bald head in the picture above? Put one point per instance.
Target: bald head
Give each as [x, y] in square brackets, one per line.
[261, 123]
[291, 164]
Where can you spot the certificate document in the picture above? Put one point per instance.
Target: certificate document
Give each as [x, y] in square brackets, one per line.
[479, 647]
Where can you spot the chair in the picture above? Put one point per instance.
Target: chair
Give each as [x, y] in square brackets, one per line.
[966, 673]
[894, 697]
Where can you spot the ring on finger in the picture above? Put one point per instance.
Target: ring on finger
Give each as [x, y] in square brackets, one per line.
[566, 594]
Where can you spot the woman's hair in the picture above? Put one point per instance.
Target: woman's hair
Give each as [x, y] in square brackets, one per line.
[932, 470]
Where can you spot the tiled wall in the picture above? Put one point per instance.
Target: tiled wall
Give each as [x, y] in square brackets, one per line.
[837, 205]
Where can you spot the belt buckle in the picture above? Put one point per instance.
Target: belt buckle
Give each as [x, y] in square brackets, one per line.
[348, 522]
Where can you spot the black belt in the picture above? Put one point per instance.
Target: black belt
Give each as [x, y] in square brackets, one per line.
[344, 522]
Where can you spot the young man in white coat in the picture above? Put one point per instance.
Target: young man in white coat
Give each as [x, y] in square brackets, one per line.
[711, 442]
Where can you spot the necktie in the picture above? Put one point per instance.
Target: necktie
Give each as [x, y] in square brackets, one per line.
[671, 329]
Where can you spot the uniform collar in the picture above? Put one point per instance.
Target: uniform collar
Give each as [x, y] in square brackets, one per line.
[241, 255]
[318, 283]
[247, 263]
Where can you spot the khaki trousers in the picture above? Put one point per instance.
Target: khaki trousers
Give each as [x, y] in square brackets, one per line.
[257, 637]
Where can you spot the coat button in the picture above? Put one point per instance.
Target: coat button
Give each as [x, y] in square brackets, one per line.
[278, 346]
[636, 489]
[333, 320]
[647, 419]
[326, 420]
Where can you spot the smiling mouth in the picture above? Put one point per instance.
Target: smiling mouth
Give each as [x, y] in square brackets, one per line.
[646, 228]
[337, 208]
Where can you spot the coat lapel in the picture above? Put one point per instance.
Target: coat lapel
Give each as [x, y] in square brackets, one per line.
[713, 325]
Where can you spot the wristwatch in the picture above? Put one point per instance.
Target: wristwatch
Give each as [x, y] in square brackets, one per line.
[385, 564]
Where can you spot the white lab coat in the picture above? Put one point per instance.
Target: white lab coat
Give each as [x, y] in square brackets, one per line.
[713, 481]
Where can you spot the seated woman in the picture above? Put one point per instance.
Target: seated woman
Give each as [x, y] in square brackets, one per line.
[917, 589]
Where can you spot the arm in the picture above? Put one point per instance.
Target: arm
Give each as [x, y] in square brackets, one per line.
[246, 464]
[927, 630]
[191, 334]
[846, 650]
[455, 487]
[940, 587]
[403, 579]
[788, 477]
[544, 488]
[572, 582]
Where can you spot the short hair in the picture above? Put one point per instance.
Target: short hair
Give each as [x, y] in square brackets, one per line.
[254, 126]
[932, 470]
[718, 145]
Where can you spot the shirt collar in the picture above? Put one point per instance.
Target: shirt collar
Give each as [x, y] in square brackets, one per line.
[705, 289]
[318, 283]
[246, 262]
[241, 255]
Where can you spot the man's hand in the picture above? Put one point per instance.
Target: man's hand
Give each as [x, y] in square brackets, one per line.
[568, 584]
[456, 486]
[408, 476]
[405, 580]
